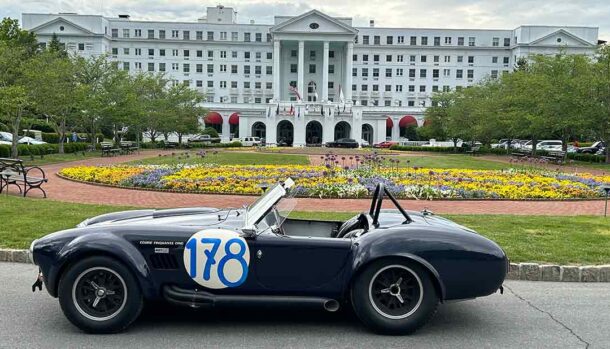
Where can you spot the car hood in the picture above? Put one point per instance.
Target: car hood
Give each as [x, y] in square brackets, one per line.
[187, 217]
[392, 218]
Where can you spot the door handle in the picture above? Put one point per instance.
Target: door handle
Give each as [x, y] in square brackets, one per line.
[259, 254]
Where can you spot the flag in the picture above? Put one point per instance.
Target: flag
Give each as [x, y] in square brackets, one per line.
[295, 91]
[291, 110]
[322, 111]
[277, 111]
[268, 111]
[341, 96]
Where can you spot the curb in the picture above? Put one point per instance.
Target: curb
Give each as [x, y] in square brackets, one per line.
[558, 273]
[517, 271]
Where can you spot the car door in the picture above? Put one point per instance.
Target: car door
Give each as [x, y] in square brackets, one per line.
[293, 263]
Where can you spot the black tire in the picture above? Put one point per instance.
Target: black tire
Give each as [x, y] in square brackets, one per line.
[381, 309]
[95, 278]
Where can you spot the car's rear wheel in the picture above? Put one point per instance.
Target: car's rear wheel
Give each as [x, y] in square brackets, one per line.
[100, 295]
[394, 296]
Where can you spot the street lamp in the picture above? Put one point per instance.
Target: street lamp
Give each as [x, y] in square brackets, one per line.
[607, 190]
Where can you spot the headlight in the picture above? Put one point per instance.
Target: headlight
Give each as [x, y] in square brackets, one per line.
[31, 252]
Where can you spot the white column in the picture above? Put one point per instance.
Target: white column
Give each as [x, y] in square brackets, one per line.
[299, 127]
[245, 130]
[347, 90]
[301, 69]
[395, 130]
[325, 72]
[225, 136]
[276, 70]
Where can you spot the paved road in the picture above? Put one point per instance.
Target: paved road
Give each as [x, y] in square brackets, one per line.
[528, 315]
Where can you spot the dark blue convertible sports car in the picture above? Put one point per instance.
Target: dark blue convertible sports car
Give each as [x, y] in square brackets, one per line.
[392, 266]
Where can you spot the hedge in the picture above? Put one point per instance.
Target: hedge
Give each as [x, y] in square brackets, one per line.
[41, 149]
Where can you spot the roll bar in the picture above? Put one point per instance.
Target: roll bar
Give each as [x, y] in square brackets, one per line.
[380, 190]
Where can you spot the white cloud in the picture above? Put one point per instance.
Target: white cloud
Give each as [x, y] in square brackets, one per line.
[506, 14]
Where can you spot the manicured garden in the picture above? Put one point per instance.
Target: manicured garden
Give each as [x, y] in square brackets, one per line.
[342, 176]
[562, 240]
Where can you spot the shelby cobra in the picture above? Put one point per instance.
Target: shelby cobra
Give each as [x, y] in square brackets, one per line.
[394, 267]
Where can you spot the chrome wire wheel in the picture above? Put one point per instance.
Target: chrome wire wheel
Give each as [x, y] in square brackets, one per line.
[99, 293]
[396, 291]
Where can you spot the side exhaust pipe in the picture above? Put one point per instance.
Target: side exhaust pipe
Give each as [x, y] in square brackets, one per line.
[331, 305]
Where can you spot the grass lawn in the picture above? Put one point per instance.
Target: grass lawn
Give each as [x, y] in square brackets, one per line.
[561, 240]
[56, 158]
[449, 161]
[226, 158]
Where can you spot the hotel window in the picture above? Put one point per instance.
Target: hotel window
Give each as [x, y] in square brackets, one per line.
[506, 42]
[375, 58]
[506, 59]
[331, 85]
[364, 88]
[246, 37]
[246, 69]
[115, 33]
[470, 59]
[199, 68]
[269, 55]
[411, 88]
[161, 34]
[446, 73]
[199, 35]
[331, 54]
[257, 100]
[364, 102]
[365, 72]
[246, 84]
[223, 68]
[412, 58]
[138, 65]
[210, 84]
[437, 59]
[151, 33]
[354, 71]
[269, 70]
[375, 72]
[375, 88]
[223, 84]
[210, 68]
[269, 85]
[447, 40]
[459, 74]
[400, 39]
[388, 58]
[435, 73]
[233, 68]
[494, 74]
[422, 88]
[447, 59]
[398, 88]
[424, 41]
[471, 41]
[257, 55]
[174, 53]
[388, 72]
[460, 59]
[175, 67]
[234, 36]
[247, 55]
[233, 84]
[199, 83]
[355, 58]
[186, 68]
[137, 33]
[399, 71]
[186, 53]
[126, 50]
[293, 53]
[494, 60]
[470, 74]
[162, 52]
[199, 53]
[138, 52]
[331, 69]
[257, 85]
[495, 42]
[411, 103]
[293, 68]
[434, 88]
[437, 41]
[446, 88]
[161, 66]
[389, 40]
[365, 58]
[115, 51]
[423, 73]
[354, 87]
[223, 54]
[175, 34]
[411, 73]
[223, 35]
[365, 40]
[257, 70]
[210, 36]
[151, 52]
[125, 33]
[269, 37]
[423, 58]
[388, 88]
[413, 41]
[461, 41]
[258, 37]
[400, 58]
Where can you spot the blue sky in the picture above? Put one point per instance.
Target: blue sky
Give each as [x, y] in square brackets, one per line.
[502, 14]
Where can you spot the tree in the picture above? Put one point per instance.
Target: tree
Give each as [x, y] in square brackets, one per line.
[437, 116]
[600, 120]
[55, 91]
[13, 36]
[183, 110]
[56, 47]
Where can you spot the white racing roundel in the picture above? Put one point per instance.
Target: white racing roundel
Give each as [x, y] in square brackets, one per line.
[217, 258]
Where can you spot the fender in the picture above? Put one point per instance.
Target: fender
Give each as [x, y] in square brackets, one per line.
[102, 243]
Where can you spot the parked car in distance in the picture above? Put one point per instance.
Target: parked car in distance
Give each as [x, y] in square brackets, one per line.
[343, 143]
[552, 145]
[364, 143]
[597, 146]
[203, 139]
[250, 141]
[503, 144]
[385, 145]
[7, 138]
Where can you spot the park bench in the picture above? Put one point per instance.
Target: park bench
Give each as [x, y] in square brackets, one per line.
[12, 172]
[127, 147]
[555, 156]
[108, 149]
[170, 145]
[520, 154]
[473, 150]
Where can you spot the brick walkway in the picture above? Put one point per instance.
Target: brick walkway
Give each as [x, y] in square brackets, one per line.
[64, 190]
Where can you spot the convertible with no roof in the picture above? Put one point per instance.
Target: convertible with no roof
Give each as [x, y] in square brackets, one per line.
[393, 267]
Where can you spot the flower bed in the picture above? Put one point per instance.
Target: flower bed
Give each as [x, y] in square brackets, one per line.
[352, 182]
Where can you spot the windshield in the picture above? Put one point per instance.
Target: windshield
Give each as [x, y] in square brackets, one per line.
[261, 207]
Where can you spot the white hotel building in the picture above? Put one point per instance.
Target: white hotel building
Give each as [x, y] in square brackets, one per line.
[386, 76]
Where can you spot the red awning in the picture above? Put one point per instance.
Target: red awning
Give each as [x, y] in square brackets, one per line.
[407, 121]
[234, 119]
[213, 118]
[389, 123]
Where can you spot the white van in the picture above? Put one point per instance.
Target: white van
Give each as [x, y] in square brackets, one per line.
[250, 141]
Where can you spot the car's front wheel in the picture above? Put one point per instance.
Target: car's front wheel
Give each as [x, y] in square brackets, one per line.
[394, 296]
[100, 295]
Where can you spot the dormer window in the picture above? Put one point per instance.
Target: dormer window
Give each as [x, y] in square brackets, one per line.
[314, 25]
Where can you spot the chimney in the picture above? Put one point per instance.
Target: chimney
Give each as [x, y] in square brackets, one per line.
[124, 16]
[372, 23]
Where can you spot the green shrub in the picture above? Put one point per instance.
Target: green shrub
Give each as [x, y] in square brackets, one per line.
[5, 150]
[41, 125]
[587, 157]
[210, 131]
[50, 137]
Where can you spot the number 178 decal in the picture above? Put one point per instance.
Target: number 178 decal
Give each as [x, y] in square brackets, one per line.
[217, 258]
